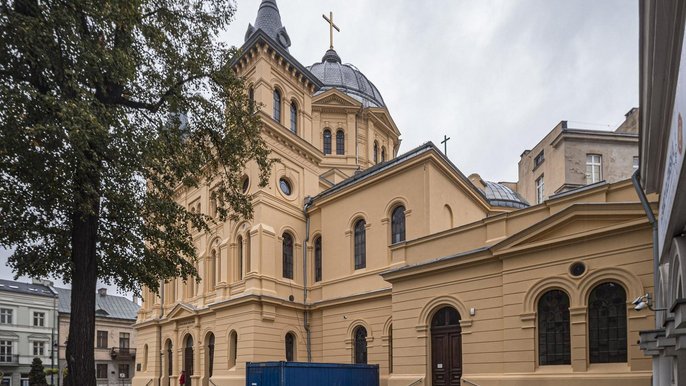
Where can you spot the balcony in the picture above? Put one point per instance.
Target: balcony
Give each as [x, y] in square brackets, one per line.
[123, 353]
[9, 359]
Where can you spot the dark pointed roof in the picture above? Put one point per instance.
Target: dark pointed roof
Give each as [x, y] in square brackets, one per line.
[269, 20]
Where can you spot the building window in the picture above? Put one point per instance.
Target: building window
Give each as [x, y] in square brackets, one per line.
[294, 117]
[318, 259]
[540, 190]
[635, 163]
[124, 340]
[553, 329]
[376, 152]
[594, 167]
[170, 358]
[38, 349]
[607, 324]
[360, 342]
[6, 315]
[251, 98]
[101, 370]
[277, 105]
[39, 319]
[390, 349]
[210, 354]
[538, 160]
[398, 225]
[290, 347]
[383, 153]
[340, 142]
[101, 339]
[233, 348]
[124, 371]
[360, 244]
[5, 351]
[287, 255]
[239, 257]
[327, 141]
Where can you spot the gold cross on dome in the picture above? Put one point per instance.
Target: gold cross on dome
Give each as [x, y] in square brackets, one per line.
[331, 28]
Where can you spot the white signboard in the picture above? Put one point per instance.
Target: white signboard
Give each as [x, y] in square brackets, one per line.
[675, 154]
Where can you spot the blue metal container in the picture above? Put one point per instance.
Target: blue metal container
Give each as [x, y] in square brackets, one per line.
[310, 374]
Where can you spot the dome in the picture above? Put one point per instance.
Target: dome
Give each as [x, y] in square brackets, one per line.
[346, 78]
[500, 195]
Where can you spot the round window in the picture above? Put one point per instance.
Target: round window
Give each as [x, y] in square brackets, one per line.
[246, 184]
[285, 186]
[577, 269]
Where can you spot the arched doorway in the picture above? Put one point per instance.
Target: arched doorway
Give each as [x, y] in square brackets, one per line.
[188, 359]
[169, 355]
[446, 348]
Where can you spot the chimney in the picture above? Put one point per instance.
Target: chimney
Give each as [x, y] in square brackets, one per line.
[102, 291]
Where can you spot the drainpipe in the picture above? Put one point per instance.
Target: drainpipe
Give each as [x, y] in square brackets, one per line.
[159, 332]
[653, 223]
[308, 202]
[357, 146]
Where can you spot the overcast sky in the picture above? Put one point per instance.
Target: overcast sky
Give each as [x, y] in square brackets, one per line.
[495, 76]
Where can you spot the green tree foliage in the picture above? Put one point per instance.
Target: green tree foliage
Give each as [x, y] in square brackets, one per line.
[37, 373]
[109, 111]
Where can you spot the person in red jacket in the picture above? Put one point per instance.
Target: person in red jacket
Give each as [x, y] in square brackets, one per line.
[182, 378]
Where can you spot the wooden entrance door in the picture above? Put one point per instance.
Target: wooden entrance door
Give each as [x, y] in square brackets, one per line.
[446, 348]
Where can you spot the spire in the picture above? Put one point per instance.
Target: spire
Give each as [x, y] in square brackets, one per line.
[269, 21]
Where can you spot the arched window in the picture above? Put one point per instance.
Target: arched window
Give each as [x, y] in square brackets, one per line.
[327, 141]
[170, 358]
[360, 342]
[390, 349]
[294, 117]
[383, 153]
[247, 252]
[188, 356]
[239, 256]
[287, 255]
[340, 142]
[290, 347]
[607, 324]
[553, 328]
[212, 270]
[251, 98]
[360, 244]
[398, 224]
[233, 348]
[210, 354]
[318, 259]
[376, 152]
[277, 105]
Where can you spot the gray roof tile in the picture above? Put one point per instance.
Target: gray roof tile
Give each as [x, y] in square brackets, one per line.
[108, 306]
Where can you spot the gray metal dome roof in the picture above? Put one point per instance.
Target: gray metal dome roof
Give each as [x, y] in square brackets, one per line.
[346, 78]
[500, 195]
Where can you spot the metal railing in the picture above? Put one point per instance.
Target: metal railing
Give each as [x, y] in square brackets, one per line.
[122, 352]
[469, 382]
[9, 359]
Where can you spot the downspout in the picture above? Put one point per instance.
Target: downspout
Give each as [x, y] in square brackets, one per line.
[159, 332]
[651, 219]
[357, 150]
[306, 324]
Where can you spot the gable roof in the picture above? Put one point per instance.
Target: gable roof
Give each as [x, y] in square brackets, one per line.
[25, 288]
[106, 306]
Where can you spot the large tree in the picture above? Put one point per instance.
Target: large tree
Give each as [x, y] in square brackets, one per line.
[108, 111]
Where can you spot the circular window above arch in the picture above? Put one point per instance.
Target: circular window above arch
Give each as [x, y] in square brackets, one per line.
[577, 269]
[285, 186]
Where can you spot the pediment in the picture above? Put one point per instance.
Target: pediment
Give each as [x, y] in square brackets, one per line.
[334, 97]
[382, 115]
[577, 221]
[334, 176]
[181, 311]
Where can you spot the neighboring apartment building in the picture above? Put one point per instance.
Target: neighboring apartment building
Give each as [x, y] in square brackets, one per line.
[115, 351]
[356, 254]
[568, 158]
[662, 54]
[27, 329]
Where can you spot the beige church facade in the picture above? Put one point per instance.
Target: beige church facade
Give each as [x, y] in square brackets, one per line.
[357, 254]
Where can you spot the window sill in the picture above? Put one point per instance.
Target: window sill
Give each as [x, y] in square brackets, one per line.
[545, 369]
[616, 367]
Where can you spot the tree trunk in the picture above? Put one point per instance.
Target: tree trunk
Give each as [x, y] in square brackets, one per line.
[81, 340]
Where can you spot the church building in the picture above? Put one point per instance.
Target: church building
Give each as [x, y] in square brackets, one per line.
[358, 254]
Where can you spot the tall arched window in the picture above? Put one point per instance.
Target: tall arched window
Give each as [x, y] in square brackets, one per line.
[340, 142]
[277, 105]
[398, 224]
[607, 323]
[251, 98]
[212, 270]
[210, 354]
[360, 342]
[294, 117]
[383, 153]
[327, 141]
[239, 256]
[318, 259]
[247, 252]
[553, 329]
[360, 244]
[390, 349]
[287, 255]
[188, 356]
[233, 348]
[376, 152]
[170, 358]
[290, 347]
